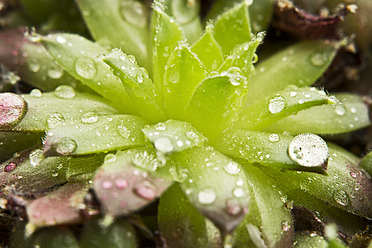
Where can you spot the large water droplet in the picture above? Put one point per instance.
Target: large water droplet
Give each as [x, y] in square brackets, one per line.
[341, 197]
[276, 104]
[12, 109]
[35, 157]
[145, 190]
[340, 110]
[65, 146]
[86, 68]
[319, 59]
[308, 150]
[64, 91]
[89, 118]
[54, 120]
[232, 168]
[9, 167]
[163, 145]
[207, 196]
[134, 13]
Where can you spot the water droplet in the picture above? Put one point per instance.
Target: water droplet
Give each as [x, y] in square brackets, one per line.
[89, 118]
[238, 192]
[54, 120]
[145, 190]
[65, 146]
[60, 39]
[341, 197]
[233, 206]
[65, 92]
[164, 145]
[36, 93]
[353, 110]
[121, 183]
[293, 93]
[35, 157]
[173, 75]
[107, 184]
[12, 109]
[276, 104]
[86, 68]
[207, 196]
[285, 226]
[123, 131]
[307, 95]
[340, 110]
[134, 13]
[33, 67]
[239, 182]
[110, 158]
[319, 59]
[308, 150]
[140, 79]
[55, 73]
[9, 167]
[232, 168]
[274, 137]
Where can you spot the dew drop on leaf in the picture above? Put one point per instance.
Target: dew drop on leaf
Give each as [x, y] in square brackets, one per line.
[238, 192]
[308, 150]
[35, 157]
[145, 190]
[163, 145]
[36, 93]
[12, 109]
[123, 131]
[9, 167]
[65, 146]
[65, 92]
[276, 104]
[110, 158]
[54, 120]
[207, 196]
[319, 59]
[232, 168]
[341, 197]
[89, 117]
[134, 13]
[86, 68]
[60, 39]
[55, 73]
[340, 110]
[274, 137]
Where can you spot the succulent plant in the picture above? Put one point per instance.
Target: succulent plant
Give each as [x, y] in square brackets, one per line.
[185, 116]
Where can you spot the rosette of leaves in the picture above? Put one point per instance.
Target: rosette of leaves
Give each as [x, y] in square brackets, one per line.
[184, 115]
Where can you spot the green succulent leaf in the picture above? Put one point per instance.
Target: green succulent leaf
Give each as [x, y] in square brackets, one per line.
[366, 163]
[119, 24]
[173, 136]
[215, 102]
[208, 50]
[211, 182]
[183, 74]
[179, 222]
[12, 142]
[83, 167]
[346, 186]
[64, 105]
[186, 14]
[269, 149]
[122, 187]
[268, 223]
[279, 105]
[300, 65]
[233, 27]
[80, 59]
[59, 207]
[97, 234]
[31, 172]
[166, 34]
[137, 83]
[54, 237]
[95, 134]
[305, 240]
[350, 114]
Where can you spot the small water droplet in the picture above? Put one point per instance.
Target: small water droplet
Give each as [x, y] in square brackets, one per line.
[293, 93]
[232, 168]
[173, 75]
[86, 68]
[35, 157]
[9, 167]
[65, 146]
[276, 104]
[34, 67]
[54, 120]
[274, 137]
[145, 190]
[341, 197]
[123, 131]
[36, 93]
[140, 79]
[308, 150]
[89, 118]
[353, 110]
[319, 59]
[110, 158]
[239, 182]
[12, 109]
[238, 192]
[60, 39]
[134, 13]
[55, 73]
[65, 92]
[163, 145]
[207, 196]
[340, 110]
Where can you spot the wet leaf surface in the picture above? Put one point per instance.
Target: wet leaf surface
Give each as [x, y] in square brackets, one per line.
[12, 109]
